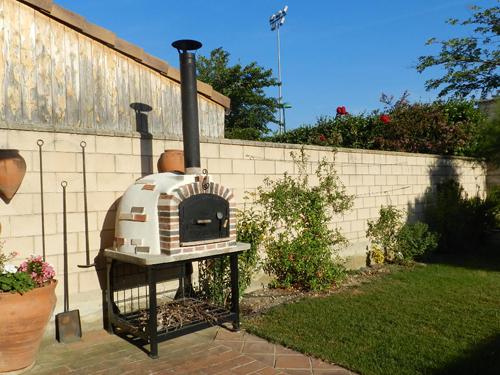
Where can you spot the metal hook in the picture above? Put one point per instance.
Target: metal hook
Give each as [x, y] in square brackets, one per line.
[40, 142]
[64, 184]
[83, 144]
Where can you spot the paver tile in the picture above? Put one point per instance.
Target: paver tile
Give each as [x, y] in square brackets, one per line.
[297, 361]
[268, 359]
[258, 347]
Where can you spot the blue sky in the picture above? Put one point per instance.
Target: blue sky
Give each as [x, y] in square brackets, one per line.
[333, 52]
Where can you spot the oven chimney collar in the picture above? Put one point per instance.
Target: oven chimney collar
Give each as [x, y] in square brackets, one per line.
[189, 99]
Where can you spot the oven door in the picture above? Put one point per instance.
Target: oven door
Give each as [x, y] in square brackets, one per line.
[203, 217]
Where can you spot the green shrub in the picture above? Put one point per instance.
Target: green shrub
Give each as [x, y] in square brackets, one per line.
[461, 222]
[415, 241]
[214, 275]
[383, 232]
[393, 241]
[452, 127]
[300, 247]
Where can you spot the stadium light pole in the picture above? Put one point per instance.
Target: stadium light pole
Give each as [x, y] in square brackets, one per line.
[276, 21]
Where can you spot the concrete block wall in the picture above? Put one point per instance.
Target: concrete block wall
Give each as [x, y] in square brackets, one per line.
[113, 163]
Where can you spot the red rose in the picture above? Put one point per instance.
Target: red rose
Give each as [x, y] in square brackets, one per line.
[322, 138]
[341, 111]
[385, 118]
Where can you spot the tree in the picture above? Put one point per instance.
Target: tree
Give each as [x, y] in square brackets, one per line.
[251, 109]
[471, 63]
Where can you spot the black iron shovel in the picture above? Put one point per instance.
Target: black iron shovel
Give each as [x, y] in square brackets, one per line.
[68, 325]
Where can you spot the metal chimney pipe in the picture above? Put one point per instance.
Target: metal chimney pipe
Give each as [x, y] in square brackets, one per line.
[189, 98]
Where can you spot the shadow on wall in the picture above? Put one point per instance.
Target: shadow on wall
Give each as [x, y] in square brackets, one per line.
[129, 280]
[444, 169]
[141, 125]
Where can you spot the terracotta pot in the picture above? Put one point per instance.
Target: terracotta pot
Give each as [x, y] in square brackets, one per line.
[171, 161]
[23, 319]
[12, 171]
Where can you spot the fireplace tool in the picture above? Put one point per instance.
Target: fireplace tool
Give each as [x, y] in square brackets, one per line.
[42, 209]
[68, 325]
[83, 144]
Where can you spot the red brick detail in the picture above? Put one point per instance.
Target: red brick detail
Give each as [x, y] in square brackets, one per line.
[187, 249]
[119, 241]
[140, 217]
[210, 246]
[172, 251]
[167, 196]
[169, 226]
[150, 187]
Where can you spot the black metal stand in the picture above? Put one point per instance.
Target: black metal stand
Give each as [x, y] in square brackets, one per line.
[127, 323]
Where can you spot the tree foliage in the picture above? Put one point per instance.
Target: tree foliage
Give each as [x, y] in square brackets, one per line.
[471, 63]
[251, 109]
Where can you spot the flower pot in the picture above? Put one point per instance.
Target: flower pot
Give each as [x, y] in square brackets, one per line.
[12, 171]
[23, 319]
[171, 161]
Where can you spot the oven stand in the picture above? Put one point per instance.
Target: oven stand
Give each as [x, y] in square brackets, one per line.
[125, 324]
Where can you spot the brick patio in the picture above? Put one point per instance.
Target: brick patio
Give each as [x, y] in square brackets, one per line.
[212, 351]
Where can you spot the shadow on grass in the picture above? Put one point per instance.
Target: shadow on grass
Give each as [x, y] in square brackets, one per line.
[482, 359]
[486, 257]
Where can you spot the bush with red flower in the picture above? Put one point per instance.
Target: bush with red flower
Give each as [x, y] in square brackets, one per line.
[385, 119]
[341, 111]
[32, 273]
[442, 127]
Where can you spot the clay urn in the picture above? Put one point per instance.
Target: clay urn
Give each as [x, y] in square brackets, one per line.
[171, 161]
[12, 171]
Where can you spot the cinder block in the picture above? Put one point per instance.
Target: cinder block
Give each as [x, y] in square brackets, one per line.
[209, 150]
[114, 181]
[22, 245]
[380, 180]
[113, 145]
[233, 180]
[355, 180]
[21, 204]
[219, 166]
[285, 166]
[361, 169]
[27, 140]
[254, 181]
[340, 156]
[368, 180]
[54, 243]
[127, 163]
[72, 142]
[59, 161]
[30, 225]
[402, 180]
[231, 151]
[244, 166]
[88, 281]
[266, 167]
[274, 153]
[254, 152]
[348, 169]
[97, 163]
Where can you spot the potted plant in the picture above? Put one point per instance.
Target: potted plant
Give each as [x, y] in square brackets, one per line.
[27, 300]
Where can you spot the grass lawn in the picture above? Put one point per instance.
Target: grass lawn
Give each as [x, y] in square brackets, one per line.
[440, 318]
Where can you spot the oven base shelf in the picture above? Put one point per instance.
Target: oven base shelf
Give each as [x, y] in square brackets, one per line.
[141, 328]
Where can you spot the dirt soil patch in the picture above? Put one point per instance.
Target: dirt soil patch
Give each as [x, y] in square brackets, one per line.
[259, 301]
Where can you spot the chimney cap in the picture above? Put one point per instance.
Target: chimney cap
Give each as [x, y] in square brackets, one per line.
[186, 45]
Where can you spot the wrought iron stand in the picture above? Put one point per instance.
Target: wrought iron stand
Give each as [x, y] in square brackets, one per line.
[127, 323]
